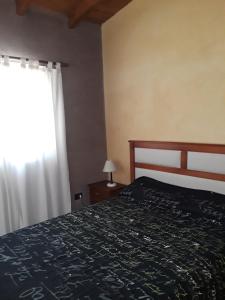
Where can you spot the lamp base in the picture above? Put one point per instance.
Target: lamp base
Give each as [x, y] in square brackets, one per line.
[111, 184]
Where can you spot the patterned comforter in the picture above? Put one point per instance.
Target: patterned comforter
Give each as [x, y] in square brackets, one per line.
[153, 242]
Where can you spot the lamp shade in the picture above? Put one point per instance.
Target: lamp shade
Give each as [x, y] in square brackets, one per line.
[109, 167]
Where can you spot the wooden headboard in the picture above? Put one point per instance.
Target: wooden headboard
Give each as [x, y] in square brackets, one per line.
[185, 150]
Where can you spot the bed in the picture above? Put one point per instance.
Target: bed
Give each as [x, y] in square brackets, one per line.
[155, 241]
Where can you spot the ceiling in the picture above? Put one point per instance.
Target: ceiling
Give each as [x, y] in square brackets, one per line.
[96, 11]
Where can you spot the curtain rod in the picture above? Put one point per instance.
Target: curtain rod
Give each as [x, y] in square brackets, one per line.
[41, 62]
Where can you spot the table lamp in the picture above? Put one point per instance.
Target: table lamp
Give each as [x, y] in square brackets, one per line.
[110, 167]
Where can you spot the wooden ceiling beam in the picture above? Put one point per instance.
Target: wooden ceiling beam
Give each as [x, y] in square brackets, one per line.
[22, 6]
[84, 8]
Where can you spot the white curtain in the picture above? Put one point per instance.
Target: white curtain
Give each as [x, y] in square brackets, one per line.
[34, 182]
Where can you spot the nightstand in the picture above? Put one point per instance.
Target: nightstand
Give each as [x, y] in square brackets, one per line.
[99, 191]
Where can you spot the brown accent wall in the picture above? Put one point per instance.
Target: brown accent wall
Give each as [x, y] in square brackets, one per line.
[46, 36]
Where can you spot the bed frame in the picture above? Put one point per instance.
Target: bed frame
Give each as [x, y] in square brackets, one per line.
[185, 149]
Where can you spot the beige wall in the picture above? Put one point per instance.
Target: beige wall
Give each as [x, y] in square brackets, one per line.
[164, 74]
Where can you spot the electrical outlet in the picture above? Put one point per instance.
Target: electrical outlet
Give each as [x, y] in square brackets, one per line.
[78, 196]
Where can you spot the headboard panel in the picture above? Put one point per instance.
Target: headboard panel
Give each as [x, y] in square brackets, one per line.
[186, 166]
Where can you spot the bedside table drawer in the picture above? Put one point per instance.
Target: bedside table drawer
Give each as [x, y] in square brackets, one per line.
[96, 195]
[99, 191]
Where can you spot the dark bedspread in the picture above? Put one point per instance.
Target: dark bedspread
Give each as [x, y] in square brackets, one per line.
[147, 244]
